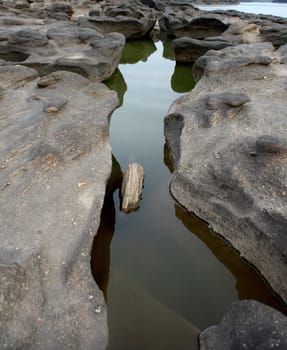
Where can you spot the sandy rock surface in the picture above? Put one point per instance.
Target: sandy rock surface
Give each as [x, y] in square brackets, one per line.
[55, 161]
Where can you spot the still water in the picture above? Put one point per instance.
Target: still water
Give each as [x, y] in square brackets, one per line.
[265, 8]
[164, 274]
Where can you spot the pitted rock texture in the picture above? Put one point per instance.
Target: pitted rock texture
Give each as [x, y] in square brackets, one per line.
[234, 59]
[275, 33]
[228, 143]
[133, 20]
[198, 31]
[248, 325]
[187, 21]
[51, 44]
[55, 159]
[187, 50]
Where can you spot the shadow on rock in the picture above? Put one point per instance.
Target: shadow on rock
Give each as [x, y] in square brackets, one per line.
[166, 158]
[100, 255]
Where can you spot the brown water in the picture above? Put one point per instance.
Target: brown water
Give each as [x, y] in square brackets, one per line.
[164, 274]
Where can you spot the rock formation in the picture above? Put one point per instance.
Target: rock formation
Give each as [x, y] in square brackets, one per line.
[62, 45]
[54, 164]
[247, 325]
[227, 139]
[134, 22]
[228, 142]
[55, 161]
[198, 31]
[187, 21]
[188, 49]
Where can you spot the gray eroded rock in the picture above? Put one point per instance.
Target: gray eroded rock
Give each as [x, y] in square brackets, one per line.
[63, 46]
[28, 38]
[97, 63]
[201, 27]
[131, 189]
[275, 33]
[228, 142]
[271, 144]
[248, 325]
[188, 50]
[130, 17]
[187, 21]
[59, 11]
[283, 53]
[131, 28]
[65, 33]
[233, 27]
[54, 165]
[157, 5]
[231, 59]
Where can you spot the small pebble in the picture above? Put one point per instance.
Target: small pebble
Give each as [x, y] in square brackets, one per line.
[51, 110]
[98, 310]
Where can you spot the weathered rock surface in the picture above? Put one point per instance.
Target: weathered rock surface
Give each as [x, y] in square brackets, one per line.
[134, 21]
[50, 46]
[201, 27]
[187, 21]
[55, 160]
[228, 142]
[248, 325]
[189, 50]
[131, 188]
[198, 31]
[275, 33]
[233, 59]
[131, 28]
[59, 11]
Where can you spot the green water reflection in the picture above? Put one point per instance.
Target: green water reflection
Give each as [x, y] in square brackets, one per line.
[164, 273]
[167, 49]
[137, 50]
[118, 84]
[182, 78]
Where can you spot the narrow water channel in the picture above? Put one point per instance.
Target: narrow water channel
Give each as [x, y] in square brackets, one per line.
[164, 274]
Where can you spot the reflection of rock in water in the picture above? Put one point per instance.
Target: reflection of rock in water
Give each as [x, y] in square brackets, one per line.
[182, 79]
[249, 284]
[134, 51]
[117, 83]
[168, 52]
[137, 50]
[151, 323]
[166, 158]
[100, 255]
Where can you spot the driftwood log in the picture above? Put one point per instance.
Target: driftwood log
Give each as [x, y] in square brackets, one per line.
[131, 189]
